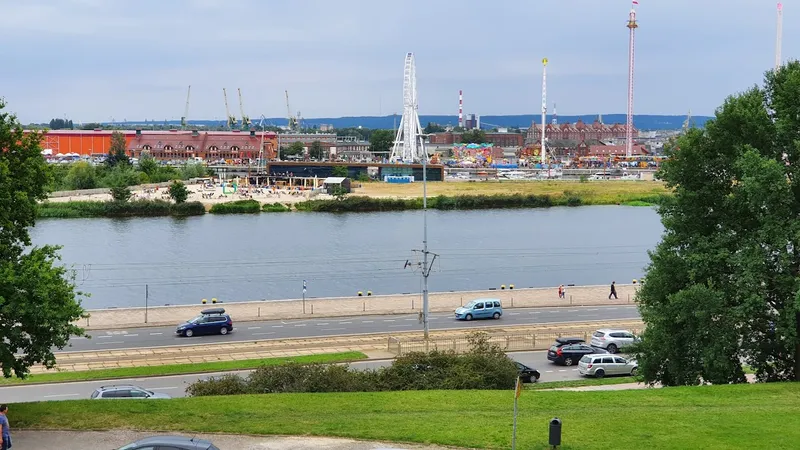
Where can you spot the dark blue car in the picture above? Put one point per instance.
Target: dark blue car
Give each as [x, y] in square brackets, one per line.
[210, 321]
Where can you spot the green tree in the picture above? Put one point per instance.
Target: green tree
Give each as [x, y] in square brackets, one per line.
[81, 175]
[148, 165]
[433, 128]
[316, 150]
[381, 141]
[178, 191]
[475, 136]
[295, 149]
[340, 171]
[120, 193]
[339, 192]
[723, 285]
[38, 301]
[116, 153]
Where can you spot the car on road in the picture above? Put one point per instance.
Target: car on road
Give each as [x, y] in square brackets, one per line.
[568, 351]
[170, 443]
[210, 321]
[127, 391]
[480, 308]
[599, 366]
[612, 340]
[528, 375]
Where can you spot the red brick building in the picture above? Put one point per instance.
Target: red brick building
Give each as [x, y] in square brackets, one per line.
[613, 150]
[498, 139]
[208, 145]
[579, 132]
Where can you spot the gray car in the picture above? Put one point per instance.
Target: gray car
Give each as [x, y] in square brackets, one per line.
[601, 365]
[612, 340]
[126, 391]
[170, 443]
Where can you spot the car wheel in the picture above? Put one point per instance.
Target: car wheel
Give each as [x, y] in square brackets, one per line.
[567, 361]
[612, 348]
[634, 371]
[223, 330]
[534, 378]
[600, 373]
[468, 317]
[188, 333]
[496, 315]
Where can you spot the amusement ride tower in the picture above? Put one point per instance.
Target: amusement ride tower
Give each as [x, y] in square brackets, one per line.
[632, 26]
[408, 144]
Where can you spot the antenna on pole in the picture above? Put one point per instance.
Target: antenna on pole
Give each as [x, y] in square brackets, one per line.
[779, 40]
[632, 26]
[185, 118]
[544, 108]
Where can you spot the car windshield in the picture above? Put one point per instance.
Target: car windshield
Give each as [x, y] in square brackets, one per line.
[586, 359]
[471, 304]
[196, 319]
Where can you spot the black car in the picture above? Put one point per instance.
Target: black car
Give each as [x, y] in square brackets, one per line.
[170, 443]
[210, 321]
[568, 351]
[527, 374]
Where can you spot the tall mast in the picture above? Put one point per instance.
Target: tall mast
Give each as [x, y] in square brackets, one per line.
[632, 26]
[544, 108]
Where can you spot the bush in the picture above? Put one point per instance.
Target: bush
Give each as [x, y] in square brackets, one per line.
[484, 367]
[120, 194]
[188, 209]
[137, 208]
[275, 207]
[178, 192]
[237, 207]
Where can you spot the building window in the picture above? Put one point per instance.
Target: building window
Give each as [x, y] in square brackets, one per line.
[213, 149]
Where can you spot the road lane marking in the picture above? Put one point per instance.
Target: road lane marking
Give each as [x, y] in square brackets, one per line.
[400, 326]
[513, 314]
[261, 334]
[109, 342]
[300, 325]
[388, 320]
[593, 309]
[277, 326]
[333, 329]
[417, 319]
[323, 323]
[79, 338]
[572, 310]
[344, 322]
[253, 328]
[156, 334]
[61, 395]
[367, 321]
[131, 335]
[102, 337]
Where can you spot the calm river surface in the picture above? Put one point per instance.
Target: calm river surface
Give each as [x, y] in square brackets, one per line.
[267, 256]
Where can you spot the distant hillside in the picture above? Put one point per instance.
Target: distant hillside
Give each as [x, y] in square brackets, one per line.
[642, 122]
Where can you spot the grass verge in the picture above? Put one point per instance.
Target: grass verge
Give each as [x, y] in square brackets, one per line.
[708, 417]
[580, 383]
[179, 369]
[236, 207]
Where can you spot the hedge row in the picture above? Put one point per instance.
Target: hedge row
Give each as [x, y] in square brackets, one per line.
[484, 367]
[135, 208]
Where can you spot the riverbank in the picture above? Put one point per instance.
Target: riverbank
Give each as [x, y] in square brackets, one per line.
[355, 306]
[369, 197]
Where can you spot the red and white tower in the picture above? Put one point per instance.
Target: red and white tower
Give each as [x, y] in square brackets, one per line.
[778, 42]
[632, 26]
[460, 109]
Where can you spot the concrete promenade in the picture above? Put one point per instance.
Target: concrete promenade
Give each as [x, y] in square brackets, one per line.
[354, 306]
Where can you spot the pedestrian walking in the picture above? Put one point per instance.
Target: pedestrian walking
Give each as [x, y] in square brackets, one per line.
[561, 291]
[613, 290]
[5, 429]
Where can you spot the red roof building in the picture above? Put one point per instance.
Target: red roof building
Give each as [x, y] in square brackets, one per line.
[614, 150]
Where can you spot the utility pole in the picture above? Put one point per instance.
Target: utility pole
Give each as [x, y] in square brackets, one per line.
[426, 268]
[146, 300]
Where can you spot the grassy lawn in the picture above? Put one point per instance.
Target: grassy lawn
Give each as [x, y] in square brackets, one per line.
[580, 383]
[711, 417]
[593, 192]
[179, 369]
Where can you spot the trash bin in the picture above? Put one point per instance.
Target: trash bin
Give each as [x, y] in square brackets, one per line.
[555, 431]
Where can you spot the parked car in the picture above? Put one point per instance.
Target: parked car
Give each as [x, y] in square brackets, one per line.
[566, 351]
[527, 374]
[210, 321]
[601, 365]
[170, 443]
[481, 308]
[612, 340]
[126, 391]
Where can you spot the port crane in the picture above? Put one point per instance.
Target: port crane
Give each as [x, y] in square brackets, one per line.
[231, 119]
[245, 119]
[185, 117]
[293, 122]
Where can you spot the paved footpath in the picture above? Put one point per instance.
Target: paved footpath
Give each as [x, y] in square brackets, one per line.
[355, 306]
[105, 440]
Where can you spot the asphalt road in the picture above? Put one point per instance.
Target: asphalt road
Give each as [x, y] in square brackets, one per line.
[337, 326]
[175, 385]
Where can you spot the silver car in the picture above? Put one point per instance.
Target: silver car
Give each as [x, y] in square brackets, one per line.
[601, 365]
[126, 391]
[612, 340]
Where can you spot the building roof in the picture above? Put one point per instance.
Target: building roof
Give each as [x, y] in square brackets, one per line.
[616, 150]
[334, 180]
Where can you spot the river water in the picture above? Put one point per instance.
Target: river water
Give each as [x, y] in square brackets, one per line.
[267, 256]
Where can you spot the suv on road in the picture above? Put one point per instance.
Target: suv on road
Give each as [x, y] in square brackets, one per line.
[210, 321]
[126, 391]
[601, 365]
[612, 340]
[480, 308]
[568, 351]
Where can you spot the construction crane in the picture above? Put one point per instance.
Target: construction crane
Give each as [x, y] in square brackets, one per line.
[292, 119]
[184, 119]
[231, 119]
[245, 120]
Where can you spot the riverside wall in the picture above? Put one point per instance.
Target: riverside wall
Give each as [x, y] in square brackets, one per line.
[355, 306]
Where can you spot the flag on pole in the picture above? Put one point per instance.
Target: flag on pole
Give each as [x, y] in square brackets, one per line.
[304, 286]
[635, 2]
[518, 388]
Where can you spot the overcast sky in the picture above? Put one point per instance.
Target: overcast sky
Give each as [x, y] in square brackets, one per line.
[93, 60]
